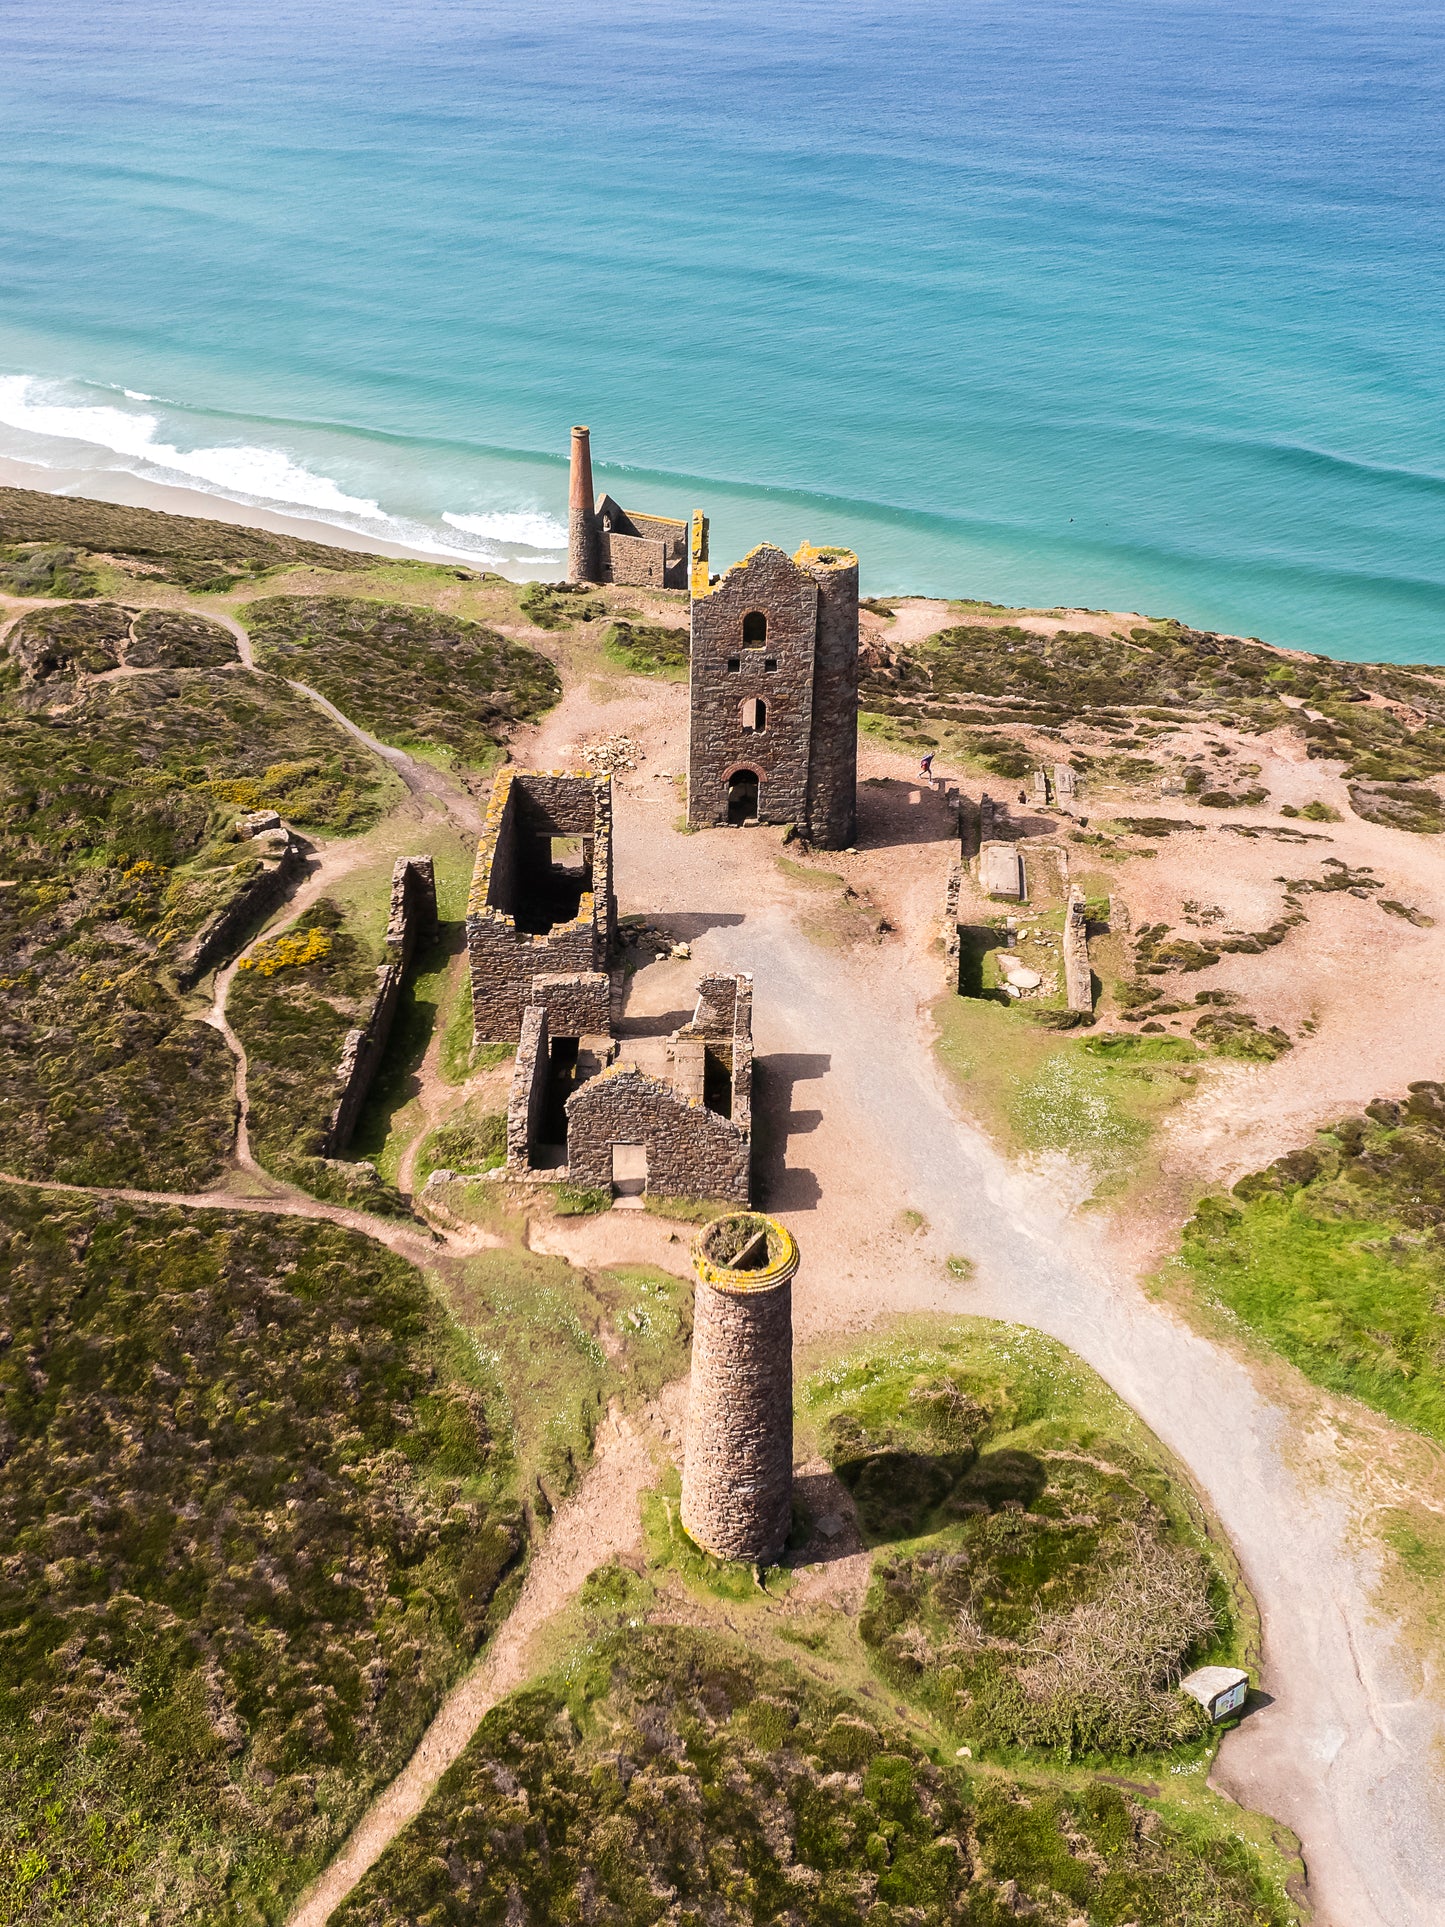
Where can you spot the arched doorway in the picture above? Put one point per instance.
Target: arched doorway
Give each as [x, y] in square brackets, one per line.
[743, 796]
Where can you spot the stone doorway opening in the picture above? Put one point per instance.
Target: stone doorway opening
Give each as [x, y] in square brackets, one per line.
[743, 796]
[629, 1176]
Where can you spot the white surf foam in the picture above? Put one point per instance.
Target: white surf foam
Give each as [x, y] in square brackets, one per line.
[242, 471]
[526, 528]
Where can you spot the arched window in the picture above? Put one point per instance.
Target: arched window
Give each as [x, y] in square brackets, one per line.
[754, 715]
[755, 629]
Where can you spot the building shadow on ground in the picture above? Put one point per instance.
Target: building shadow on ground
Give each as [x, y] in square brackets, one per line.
[779, 1185]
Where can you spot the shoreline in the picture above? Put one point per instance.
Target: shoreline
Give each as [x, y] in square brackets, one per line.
[126, 490]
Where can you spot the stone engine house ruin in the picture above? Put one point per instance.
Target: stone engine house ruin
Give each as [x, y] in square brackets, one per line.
[773, 721]
[597, 1101]
[628, 1114]
[608, 543]
[737, 1479]
[541, 901]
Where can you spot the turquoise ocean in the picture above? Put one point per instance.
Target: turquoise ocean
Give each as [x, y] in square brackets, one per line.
[1129, 303]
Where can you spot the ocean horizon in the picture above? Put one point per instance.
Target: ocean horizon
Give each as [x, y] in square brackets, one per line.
[1121, 303]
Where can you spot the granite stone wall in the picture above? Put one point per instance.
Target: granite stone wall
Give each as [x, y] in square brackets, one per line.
[692, 1152]
[412, 924]
[832, 818]
[528, 806]
[805, 673]
[579, 1006]
[528, 1088]
[280, 862]
[1078, 978]
[764, 582]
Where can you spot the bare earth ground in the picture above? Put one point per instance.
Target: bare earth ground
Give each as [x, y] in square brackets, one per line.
[860, 1125]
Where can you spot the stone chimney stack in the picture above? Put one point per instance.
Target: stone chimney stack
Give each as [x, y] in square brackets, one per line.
[737, 1479]
[581, 512]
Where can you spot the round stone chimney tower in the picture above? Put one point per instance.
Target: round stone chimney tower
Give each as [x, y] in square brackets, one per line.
[737, 1478]
[581, 511]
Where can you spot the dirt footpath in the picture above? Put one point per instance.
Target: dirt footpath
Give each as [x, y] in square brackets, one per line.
[858, 1125]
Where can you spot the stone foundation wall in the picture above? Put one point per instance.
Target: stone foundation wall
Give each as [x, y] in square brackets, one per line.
[579, 1006]
[633, 561]
[692, 1152]
[1078, 978]
[738, 1473]
[528, 1088]
[223, 932]
[412, 924]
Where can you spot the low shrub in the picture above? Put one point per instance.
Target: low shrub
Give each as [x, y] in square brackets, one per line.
[675, 1775]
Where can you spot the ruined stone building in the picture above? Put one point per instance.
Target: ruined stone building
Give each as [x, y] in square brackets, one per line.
[773, 725]
[597, 1101]
[737, 1478]
[541, 901]
[773, 715]
[608, 543]
[630, 1113]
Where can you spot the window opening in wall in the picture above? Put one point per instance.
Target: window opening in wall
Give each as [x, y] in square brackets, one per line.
[629, 1170]
[561, 1082]
[754, 715]
[735, 663]
[553, 874]
[770, 663]
[755, 629]
[743, 796]
[717, 1082]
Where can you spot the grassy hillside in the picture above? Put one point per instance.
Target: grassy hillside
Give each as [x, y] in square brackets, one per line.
[116, 845]
[411, 676]
[1042, 1580]
[200, 555]
[254, 1511]
[1336, 1255]
[672, 1775]
[1384, 721]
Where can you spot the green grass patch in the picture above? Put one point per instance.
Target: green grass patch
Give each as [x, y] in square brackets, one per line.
[256, 1512]
[806, 873]
[1043, 1092]
[666, 1773]
[410, 675]
[1047, 1579]
[648, 649]
[474, 1140]
[1335, 1256]
[670, 1548]
[558, 1344]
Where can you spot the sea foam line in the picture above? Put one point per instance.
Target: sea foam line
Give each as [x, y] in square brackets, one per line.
[243, 470]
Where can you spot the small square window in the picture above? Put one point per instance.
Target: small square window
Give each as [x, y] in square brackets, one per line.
[735, 663]
[770, 662]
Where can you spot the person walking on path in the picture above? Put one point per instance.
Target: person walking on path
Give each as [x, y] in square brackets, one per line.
[925, 768]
